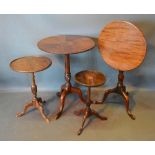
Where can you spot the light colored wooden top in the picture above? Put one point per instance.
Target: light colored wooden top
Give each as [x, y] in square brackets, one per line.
[122, 45]
[66, 44]
[90, 78]
[30, 64]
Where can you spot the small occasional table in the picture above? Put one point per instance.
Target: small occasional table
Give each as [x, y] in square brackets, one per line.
[123, 47]
[89, 79]
[66, 45]
[32, 64]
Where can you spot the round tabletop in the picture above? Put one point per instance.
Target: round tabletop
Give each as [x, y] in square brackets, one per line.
[66, 44]
[30, 64]
[90, 78]
[122, 45]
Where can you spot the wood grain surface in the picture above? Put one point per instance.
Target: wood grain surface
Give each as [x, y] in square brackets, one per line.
[30, 64]
[66, 44]
[90, 78]
[122, 45]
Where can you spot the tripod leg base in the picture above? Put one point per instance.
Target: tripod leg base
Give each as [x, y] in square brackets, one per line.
[63, 94]
[26, 107]
[88, 112]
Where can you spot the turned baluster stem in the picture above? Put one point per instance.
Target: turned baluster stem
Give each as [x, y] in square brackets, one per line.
[34, 87]
[120, 79]
[67, 70]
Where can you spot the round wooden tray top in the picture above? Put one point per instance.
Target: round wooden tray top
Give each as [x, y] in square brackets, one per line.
[122, 45]
[90, 78]
[30, 64]
[66, 44]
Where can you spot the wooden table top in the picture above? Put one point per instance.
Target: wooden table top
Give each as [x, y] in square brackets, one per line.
[122, 45]
[30, 64]
[90, 78]
[66, 44]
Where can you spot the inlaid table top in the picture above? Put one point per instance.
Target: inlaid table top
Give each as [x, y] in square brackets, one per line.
[122, 45]
[90, 78]
[66, 44]
[30, 64]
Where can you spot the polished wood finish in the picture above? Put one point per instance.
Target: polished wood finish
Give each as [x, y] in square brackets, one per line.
[66, 44]
[67, 87]
[122, 45]
[121, 90]
[89, 79]
[31, 65]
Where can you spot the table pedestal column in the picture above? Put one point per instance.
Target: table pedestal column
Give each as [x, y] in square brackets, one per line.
[67, 87]
[36, 102]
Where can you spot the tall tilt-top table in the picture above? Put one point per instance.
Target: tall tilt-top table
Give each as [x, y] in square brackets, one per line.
[123, 47]
[66, 45]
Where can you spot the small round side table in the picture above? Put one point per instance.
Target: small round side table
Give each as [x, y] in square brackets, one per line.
[89, 79]
[66, 45]
[32, 64]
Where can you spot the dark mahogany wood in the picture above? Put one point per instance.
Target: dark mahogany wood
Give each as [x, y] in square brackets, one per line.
[123, 47]
[32, 64]
[89, 79]
[66, 44]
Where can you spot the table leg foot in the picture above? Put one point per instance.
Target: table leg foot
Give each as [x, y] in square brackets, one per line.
[86, 115]
[133, 117]
[26, 107]
[126, 100]
[62, 100]
[58, 115]
[41, 110]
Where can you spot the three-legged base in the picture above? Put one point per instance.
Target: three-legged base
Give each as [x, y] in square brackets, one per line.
[36, 103]
[65, 90]
[87, 112]
[121, 90]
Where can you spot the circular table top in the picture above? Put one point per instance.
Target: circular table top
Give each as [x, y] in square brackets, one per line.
[90, 78]
[30, 64]
[66, 44]
[122, 45]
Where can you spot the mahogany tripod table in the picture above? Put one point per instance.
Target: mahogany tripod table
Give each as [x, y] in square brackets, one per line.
[89, 79]
[123, 47]
[32, 64]
[66, 45]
